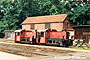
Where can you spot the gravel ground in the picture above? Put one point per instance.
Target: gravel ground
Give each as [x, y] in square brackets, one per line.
[8, 56]
[53, 54]
[7, 40]
[30, 50]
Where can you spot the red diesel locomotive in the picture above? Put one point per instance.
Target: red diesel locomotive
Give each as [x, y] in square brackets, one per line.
[46, 37]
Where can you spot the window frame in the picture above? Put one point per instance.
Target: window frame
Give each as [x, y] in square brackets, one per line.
[47, 25]
[32, 26]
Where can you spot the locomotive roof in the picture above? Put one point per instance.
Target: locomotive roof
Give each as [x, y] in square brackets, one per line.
[42, 30]
[45, 19]
[17, 30]
[9, 30]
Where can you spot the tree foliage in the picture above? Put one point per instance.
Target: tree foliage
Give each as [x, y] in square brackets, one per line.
[14, 12]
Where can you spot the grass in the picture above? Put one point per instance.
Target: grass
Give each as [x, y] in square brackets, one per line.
[81, 48]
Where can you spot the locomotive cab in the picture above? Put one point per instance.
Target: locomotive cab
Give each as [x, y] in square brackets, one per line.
[42, 36]
[18, 35]
[25, 36]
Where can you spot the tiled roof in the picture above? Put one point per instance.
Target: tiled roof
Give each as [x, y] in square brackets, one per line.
[45, 19]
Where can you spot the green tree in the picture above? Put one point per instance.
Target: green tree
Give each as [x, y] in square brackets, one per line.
[78, 12]
[14, 12]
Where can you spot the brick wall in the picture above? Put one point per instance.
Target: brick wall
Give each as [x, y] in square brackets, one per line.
[39, 26]
[26, 27]
[57, 26]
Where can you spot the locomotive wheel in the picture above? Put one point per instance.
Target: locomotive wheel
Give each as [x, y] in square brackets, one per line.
[59, 45]
[39, 43]
[16, 42]
[34, 41]
[22, 42]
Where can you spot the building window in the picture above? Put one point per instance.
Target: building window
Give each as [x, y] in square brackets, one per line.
[32, 26]
[67, 26]
[47, 25]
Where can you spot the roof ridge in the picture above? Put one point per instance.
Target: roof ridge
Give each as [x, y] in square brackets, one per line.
[43, 19]
[46, 15]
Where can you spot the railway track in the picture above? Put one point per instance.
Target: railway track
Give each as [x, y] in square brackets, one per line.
[19, 51]
[29, 51]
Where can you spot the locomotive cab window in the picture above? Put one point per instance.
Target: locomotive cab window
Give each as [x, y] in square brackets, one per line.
[22, 33]
[42, 34]
[47, 33]
[18, 33]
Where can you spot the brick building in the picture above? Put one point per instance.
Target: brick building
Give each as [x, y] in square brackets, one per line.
[59, 22]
